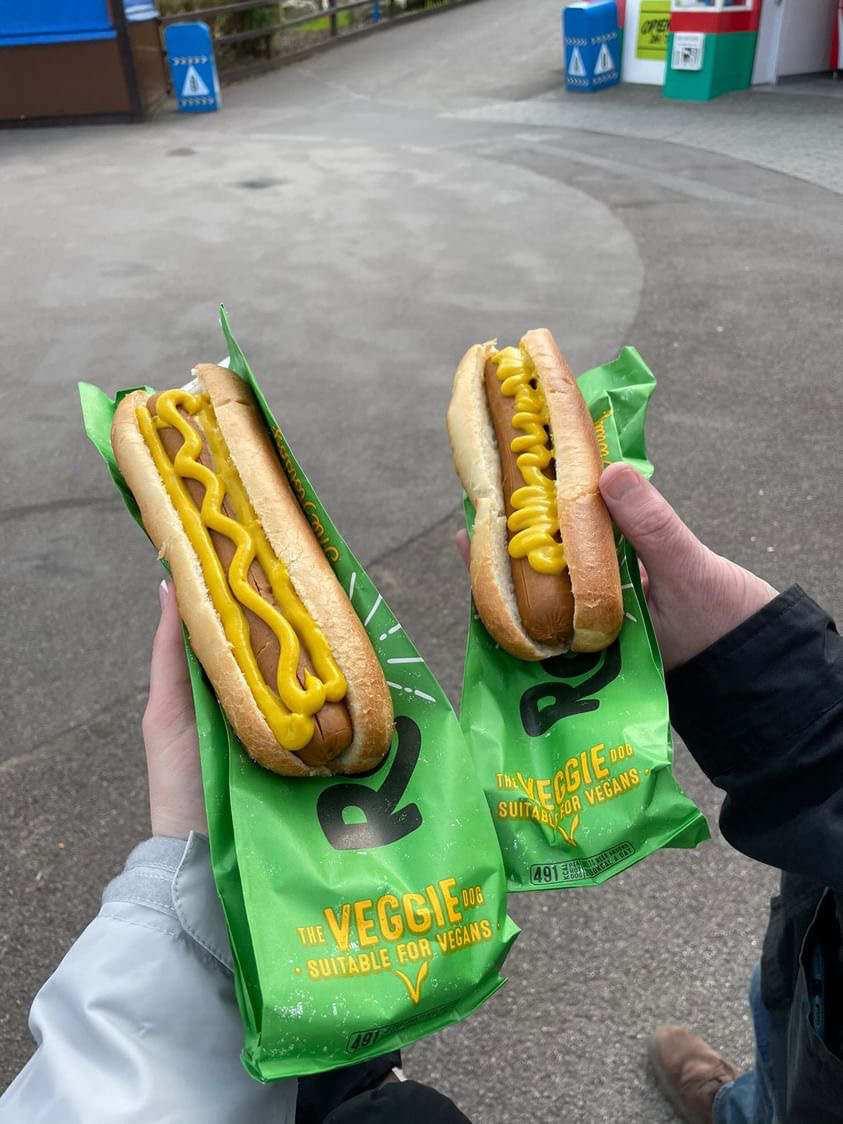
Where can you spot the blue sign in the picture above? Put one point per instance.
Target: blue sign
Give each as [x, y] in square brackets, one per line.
[190, 51]
[592, 49]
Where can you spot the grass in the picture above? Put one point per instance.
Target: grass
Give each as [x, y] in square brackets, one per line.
[323, 23]
[283, 40]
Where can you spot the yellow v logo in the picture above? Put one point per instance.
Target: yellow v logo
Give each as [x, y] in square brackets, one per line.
[414, 990]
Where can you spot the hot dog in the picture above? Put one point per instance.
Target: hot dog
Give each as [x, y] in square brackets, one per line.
[279, 640]
[544, 570]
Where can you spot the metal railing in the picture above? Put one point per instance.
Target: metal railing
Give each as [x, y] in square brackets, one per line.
[246, 45]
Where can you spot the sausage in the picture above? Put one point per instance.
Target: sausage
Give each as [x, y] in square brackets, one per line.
[333, 731]
[545, 601]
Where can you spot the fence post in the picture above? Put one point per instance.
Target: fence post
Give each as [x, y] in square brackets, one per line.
[127, 60]
[332, 4]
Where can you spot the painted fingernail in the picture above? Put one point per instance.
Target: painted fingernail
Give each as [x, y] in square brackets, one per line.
[163, 594]
[620, 483]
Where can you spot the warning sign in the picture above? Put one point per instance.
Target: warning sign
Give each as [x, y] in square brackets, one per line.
[190, 54]
[605, 63]
[653, 28]
[193, 86]
[576, 67]
[592, 55]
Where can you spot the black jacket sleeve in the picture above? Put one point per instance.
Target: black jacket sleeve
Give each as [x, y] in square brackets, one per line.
[761, 710]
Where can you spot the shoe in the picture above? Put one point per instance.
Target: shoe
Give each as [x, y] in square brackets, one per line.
[689, 1072]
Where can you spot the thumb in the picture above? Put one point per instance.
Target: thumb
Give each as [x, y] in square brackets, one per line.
[662, 541]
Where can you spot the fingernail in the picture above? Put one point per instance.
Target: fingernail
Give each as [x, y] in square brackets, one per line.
[620, 483]
[163, 594]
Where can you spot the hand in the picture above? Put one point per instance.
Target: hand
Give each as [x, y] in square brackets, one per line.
[176, 800]
[695, 596]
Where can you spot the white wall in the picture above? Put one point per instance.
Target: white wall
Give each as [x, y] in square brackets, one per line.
[767, 47]
[648, 71]
[794, 38]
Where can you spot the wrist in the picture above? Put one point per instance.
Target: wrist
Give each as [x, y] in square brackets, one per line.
[744, 596]
[710, 597]
[174, 824]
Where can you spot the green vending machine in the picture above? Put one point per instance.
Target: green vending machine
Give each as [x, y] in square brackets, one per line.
[711, 47]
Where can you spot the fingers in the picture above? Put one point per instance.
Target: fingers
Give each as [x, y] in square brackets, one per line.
[645, 578]
[168, 674]
[176, 799]
[664, 544]
[169, 707]
[463, 545]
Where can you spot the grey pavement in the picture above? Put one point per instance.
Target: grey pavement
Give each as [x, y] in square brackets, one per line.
[366, 215]
[802, 137]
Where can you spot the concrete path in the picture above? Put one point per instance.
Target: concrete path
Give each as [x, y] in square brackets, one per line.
[365, 216]
[802, 136]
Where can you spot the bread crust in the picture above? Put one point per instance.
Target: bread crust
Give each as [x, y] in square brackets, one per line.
[472, 436]
[583, 519]
[290, 536]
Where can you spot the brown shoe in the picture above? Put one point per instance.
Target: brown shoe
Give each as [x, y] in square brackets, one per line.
[689, 1072]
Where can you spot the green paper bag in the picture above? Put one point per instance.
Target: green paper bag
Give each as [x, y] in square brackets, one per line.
[366, 912]
[575, 752]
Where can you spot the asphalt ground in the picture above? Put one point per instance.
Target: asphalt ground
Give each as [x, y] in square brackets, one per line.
[364, 224]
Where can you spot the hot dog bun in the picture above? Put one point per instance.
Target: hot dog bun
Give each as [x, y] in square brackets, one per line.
[288, 533]
[583, 521]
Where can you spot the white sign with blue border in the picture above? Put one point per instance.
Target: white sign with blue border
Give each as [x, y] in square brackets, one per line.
[193, 70]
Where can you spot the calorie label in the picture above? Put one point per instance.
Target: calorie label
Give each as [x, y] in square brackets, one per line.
[574, 870]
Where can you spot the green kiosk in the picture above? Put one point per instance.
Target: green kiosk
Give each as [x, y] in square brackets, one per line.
[711, 47]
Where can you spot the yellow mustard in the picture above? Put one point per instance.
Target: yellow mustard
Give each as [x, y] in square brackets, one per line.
[288, 710]
[535, 519]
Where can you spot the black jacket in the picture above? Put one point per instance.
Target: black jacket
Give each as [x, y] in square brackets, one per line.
[762, 712]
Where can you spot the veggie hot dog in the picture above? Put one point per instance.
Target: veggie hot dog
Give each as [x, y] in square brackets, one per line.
[278, 638]
[544, 571]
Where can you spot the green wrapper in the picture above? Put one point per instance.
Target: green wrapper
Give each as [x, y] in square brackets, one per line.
[575, 752]
[363, 913]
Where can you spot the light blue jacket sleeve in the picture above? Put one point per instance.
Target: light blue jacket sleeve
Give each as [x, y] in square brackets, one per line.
[139, 1022]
